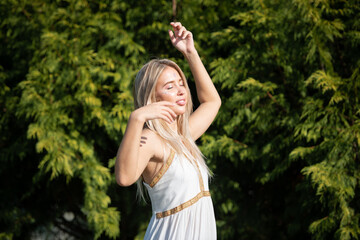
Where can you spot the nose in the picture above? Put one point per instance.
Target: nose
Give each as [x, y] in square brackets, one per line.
[181, 91]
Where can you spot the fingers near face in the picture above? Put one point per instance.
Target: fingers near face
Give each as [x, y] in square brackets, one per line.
[166, 112]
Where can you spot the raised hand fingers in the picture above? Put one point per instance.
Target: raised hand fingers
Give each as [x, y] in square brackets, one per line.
[178, 29]
[186, 34]
[172, 36]
[176, 24]
[181, 38]
[181, 31]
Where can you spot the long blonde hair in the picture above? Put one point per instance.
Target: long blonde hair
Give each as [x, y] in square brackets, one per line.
[144, 93]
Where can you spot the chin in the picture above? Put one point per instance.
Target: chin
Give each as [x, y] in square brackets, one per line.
[180, 111]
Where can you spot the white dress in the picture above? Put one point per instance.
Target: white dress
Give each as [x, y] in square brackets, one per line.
[181, 203]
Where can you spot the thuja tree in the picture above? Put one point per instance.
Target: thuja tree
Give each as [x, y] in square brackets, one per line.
[66, 75]
[286, 150]
[284, 147]
[16, 172]
[72, 97]
[330, 120]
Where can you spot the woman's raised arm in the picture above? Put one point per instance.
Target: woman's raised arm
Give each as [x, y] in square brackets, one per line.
[208, 96]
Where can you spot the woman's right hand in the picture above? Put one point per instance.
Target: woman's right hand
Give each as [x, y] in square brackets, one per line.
[158, 110]
[131, 160]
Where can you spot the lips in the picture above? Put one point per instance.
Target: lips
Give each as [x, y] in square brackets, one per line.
[181, 102]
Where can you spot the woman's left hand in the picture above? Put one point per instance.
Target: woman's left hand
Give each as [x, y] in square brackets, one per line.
[181, 38]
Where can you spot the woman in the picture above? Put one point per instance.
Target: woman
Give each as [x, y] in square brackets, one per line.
[159, 147]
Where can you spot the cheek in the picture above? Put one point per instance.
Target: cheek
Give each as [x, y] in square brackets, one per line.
[168, 93]
[165, 95]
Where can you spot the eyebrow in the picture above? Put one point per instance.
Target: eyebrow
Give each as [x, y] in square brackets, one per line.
[172, 81]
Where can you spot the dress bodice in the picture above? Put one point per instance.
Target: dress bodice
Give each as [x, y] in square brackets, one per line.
[181, 203]
[178, 184]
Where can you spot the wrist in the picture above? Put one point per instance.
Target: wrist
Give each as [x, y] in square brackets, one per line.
[137, 117]
[189, 54]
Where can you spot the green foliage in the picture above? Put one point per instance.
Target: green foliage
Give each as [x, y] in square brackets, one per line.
[277, 125]
[284, 147]
[76, 96]
[331, 121]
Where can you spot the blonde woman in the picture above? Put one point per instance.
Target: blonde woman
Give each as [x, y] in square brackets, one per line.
[159, 148]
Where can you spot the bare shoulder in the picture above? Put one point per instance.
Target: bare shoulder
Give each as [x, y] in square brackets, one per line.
[151, 143]
[152, 146]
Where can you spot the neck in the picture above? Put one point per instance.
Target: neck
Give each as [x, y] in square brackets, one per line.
[173, 126]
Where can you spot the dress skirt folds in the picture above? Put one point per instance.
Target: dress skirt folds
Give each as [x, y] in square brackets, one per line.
[181, 203]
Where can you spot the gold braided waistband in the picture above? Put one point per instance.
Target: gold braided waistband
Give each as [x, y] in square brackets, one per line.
[184, 205]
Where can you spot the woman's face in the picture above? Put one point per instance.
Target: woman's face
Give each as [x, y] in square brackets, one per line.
[170, 87]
